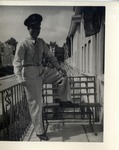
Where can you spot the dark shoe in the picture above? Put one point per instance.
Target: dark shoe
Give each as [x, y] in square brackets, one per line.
[42, 137]
[57, 100]
[63, 104]
[68, 104]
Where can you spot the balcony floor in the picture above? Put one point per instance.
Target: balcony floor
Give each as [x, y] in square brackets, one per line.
[68, 132]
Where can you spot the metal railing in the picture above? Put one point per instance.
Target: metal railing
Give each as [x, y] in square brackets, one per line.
[14, 118]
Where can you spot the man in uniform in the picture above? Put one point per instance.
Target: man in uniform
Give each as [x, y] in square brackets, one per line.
[30, 72]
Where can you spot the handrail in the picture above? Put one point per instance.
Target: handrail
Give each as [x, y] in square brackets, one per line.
[8, 88]
[14, 118]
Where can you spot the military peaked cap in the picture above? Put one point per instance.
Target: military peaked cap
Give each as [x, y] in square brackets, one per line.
[32, 19]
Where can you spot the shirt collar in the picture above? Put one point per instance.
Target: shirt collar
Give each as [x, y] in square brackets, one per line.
[33, 40]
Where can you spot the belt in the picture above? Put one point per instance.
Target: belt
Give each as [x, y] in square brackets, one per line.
[28, 65]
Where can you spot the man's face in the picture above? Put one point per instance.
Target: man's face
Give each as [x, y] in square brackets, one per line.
[34, 30]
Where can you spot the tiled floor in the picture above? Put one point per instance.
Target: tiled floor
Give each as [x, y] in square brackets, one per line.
[70, 132]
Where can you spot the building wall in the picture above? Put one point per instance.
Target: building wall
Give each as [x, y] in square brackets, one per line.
[88, 56]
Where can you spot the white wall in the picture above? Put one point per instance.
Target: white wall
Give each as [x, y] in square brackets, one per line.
[87, 56]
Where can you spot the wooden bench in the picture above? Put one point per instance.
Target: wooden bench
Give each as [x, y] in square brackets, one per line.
[85, 105]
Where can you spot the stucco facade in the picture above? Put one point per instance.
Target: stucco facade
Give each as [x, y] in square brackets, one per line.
[87, 52]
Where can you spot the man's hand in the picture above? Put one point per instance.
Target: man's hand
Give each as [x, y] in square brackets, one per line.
[22, 82]
[62, 72]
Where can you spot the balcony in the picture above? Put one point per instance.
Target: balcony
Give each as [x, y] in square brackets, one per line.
[14, 115]
[15, 121]
[72, 131]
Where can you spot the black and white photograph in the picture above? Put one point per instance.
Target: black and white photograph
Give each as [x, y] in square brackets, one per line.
[52, 66]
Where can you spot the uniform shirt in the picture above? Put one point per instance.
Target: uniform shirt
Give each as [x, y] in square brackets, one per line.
[32, 52]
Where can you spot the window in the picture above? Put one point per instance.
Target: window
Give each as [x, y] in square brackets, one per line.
[89, 59]
[85, 57]
[82, 58]
[2, 49]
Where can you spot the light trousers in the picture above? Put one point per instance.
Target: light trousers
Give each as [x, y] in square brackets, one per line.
[35, 77]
